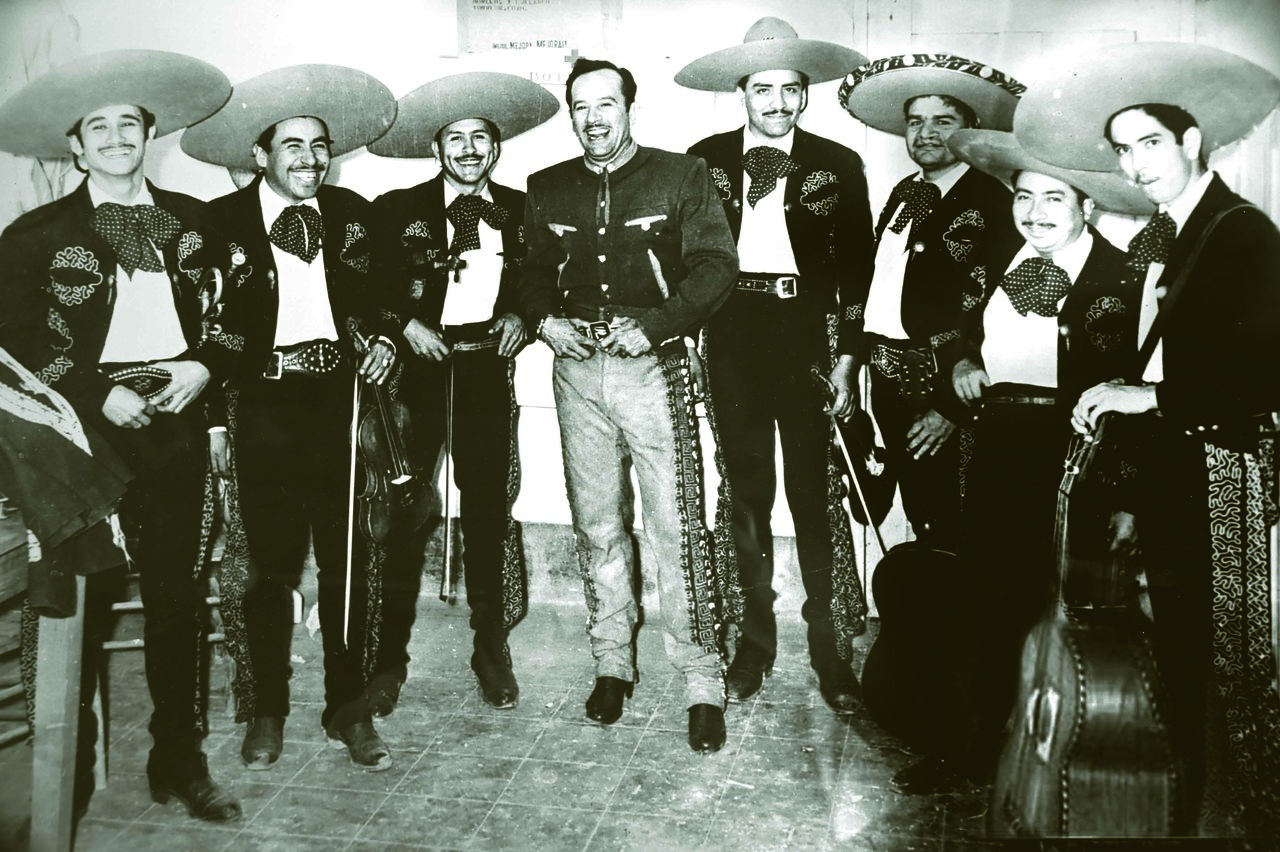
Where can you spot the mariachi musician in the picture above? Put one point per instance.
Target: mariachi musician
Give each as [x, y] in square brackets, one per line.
[304, 305]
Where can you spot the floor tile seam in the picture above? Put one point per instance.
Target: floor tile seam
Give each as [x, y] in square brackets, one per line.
[410, 769]
[248, 823]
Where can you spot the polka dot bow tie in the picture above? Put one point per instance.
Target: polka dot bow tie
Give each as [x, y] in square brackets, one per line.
[465, 212]
[1037, 285]
[298, 230]
[765, 164]
[135, 232]
[917, 198]
[1152, 243]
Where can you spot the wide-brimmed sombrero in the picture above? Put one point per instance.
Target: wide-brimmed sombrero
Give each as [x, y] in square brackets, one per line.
[356, 107]
[874, 93]
[998, 153]
[179, 90]
[1063, 117]
[770, 44]
[512, 103]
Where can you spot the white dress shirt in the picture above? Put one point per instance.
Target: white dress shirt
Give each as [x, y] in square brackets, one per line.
[472, 296]
[1179, 210]
[144, 320]
[883, 315]
[1025, 349]
[764, 244]
[304, 312]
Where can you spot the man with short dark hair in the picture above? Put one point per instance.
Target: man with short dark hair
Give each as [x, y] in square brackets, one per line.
[628, 252]
[797, 205]
[105, 292]
[906, 324]
[450, 250]
[308, 314]
[1203, 398]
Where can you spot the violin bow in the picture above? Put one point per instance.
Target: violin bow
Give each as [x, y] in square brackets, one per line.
[448, 583]
[848, 460]
[362, 345]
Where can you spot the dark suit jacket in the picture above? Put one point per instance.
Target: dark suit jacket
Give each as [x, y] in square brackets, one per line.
[1097, 325]
[58, 288]
[253, 297]
[957, 244]
[827, 212]
[1222, 336]
[411, 237]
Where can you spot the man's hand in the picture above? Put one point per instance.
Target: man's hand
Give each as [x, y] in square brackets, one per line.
[1123, 533]
[513, 335]
[426, 341]
[1112, 396]
[626, 339]
[378, 362]
[565, 339]
[220, 453]
[697, 372]
[189, 378]
[126, 409]
[844, 380]
[969, 379]
[928, 434]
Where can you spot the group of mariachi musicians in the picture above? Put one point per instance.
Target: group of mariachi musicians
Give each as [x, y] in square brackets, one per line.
[314, 352]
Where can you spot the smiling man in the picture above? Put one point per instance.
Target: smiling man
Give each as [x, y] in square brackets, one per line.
[100, 286]
[1199, 412]
[935, 240]
[306, 303]
[1060, 316]
[628, 252]
[797, 205]
[450, 250]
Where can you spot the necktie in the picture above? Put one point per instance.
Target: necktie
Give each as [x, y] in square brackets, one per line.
[1152, 243]
[917, 198]
[135, 233]
[465, 212]
[1037, 285]
[765, 164]
[297, 230]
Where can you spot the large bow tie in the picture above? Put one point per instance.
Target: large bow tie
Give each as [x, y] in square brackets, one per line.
[765, 164]
[298, 230]
[917, 198]
[1036, 284]
[465, 212]
[1152, 243]
[135, 233]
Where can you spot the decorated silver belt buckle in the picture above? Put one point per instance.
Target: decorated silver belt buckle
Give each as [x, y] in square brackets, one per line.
[275, 367]
[787, 288]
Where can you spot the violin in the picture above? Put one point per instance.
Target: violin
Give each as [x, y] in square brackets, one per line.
[394, 496]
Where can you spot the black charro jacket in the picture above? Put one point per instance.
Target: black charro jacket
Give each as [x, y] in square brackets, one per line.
[827, 212]
[58, 291]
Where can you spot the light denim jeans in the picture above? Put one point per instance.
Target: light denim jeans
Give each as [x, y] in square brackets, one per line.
[608, 407]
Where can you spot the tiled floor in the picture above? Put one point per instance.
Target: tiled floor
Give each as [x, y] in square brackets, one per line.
[792, 775]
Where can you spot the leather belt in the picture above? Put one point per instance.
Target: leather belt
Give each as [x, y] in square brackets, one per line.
[313, 358]
[476, 345]
[782, 286]
[1018, 399]
[471, 337]
[142, 378]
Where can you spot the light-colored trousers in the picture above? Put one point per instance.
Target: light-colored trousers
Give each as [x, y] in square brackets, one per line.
[609, 407]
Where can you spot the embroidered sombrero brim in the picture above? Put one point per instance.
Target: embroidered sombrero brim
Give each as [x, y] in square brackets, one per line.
[356, 107]
[1063, 117]
[179, 90]
[998, 153]
[513, 103]
[875, 92]
[820, 61]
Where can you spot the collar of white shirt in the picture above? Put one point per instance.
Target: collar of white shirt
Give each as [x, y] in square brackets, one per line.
[947, 181]
[98, 195]
[1180, 208]
[451, 193]
[273, 204]
[783, 144]
[1071, 259]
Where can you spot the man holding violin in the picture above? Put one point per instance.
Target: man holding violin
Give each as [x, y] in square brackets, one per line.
[450, 251]
[311, 325]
